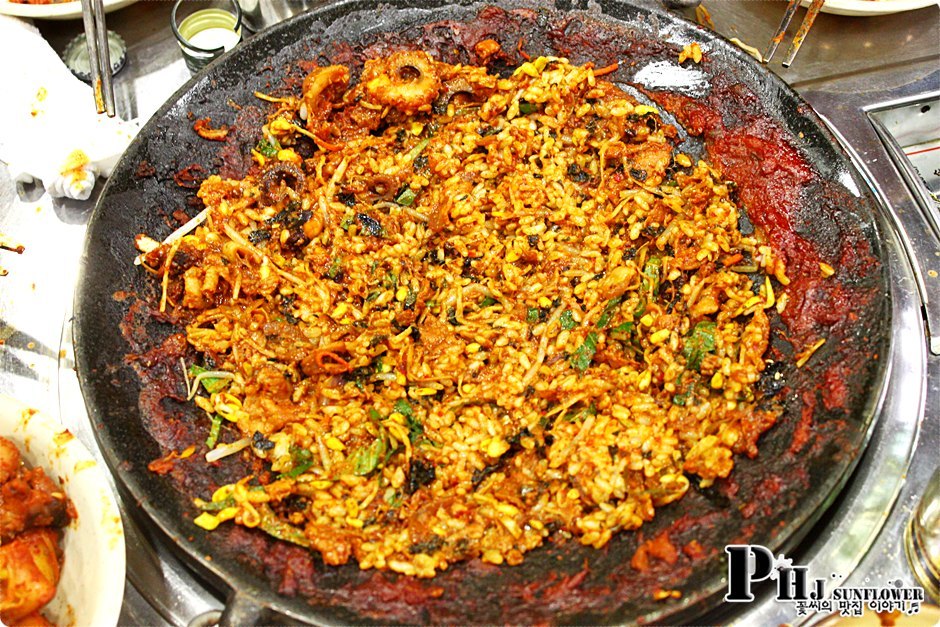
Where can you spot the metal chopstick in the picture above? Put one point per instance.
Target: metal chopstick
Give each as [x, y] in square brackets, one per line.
[814, 9]
[781, 30]
[104, 57]
[91, 43]
[99, 55]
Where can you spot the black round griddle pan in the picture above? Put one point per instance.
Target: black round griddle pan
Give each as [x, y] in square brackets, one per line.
[796, 184]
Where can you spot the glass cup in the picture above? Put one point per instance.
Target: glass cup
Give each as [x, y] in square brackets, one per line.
[922, 538]
[207, 31]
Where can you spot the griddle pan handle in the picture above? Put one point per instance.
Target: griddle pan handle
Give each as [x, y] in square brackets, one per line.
[242, 609]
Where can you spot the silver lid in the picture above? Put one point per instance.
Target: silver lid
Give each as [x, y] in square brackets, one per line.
[75, 55]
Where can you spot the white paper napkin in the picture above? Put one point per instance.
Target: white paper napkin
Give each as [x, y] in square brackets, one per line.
[49, 129]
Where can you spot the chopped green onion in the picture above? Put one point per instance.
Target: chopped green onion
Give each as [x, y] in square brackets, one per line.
[403, 407]
[488, 301]
[578, 416]
[214, 430]
[567, 320]
[626, 327]
[417, 150]
[410, 299]
[302, 460]
[393, 498]
[335, 269]
[213, 506]
[296, 471]
[367, 458]
[585, 354]
[683, 398]
[406, 197]
[277, 528]
[651, 272]
[525, 108]
[532, 315]
[300, 455]
[415, 428]
[701, 341]
[360, 376]
[267, 148]
[604, 320]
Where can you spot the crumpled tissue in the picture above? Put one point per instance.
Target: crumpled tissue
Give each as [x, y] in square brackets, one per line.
[50, 130]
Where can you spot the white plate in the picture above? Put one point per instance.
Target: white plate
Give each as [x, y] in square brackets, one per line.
[59, 11]
[869, 7]
[91, 585]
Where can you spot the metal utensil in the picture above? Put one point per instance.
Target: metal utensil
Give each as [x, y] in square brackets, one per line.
[99, 56]
[811, 14]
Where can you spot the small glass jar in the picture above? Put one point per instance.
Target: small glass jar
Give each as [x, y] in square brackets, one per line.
[922, 538]
[207, 33]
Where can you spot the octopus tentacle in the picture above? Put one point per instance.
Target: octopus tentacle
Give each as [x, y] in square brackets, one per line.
[321, 89]
[407, 81]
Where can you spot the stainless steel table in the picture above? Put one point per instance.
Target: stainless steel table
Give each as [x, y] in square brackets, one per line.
[847, 65]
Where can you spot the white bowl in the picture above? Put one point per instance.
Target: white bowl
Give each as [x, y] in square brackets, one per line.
[58, 11]
[91, 586]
